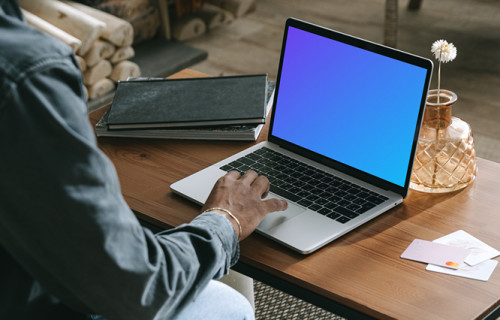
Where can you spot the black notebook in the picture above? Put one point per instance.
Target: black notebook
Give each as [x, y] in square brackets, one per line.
[243, 132]
[193, 102]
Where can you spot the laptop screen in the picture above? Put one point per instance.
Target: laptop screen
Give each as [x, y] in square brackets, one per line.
[355, 106]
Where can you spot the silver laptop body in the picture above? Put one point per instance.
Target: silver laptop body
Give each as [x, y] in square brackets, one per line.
[347, 112]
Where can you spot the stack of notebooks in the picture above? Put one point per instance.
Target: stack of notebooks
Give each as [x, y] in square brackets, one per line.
[218, 108]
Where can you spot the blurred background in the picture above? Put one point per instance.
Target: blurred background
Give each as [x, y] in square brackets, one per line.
[252, 43]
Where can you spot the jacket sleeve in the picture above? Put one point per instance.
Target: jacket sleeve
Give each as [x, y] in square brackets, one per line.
[63, 218]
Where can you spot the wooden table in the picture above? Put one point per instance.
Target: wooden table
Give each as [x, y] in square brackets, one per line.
[359, 275]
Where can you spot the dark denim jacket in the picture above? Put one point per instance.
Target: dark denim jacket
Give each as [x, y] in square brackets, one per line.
[69, 244]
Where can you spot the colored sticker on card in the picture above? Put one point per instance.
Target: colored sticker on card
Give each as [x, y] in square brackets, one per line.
[481, 271]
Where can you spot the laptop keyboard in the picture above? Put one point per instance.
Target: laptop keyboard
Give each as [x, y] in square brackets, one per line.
[307, 186]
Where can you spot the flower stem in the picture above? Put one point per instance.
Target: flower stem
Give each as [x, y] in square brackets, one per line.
[439, 77]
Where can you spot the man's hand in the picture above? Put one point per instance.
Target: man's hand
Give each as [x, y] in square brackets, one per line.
[242, 195]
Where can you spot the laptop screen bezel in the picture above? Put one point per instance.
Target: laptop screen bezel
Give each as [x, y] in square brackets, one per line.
[372, 47]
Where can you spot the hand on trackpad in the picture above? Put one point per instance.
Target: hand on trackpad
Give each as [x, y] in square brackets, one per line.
[275, 218]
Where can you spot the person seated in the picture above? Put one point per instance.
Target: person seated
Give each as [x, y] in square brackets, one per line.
[70, 247]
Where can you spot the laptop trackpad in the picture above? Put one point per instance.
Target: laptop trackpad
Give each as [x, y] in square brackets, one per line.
[276, 218]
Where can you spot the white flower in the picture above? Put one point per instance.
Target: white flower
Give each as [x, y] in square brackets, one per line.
[444, 51]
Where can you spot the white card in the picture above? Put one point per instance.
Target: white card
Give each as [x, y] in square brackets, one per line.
[435, 253]
[480, 251]
[481, 271]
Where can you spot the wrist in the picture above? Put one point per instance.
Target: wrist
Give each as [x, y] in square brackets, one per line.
[229, 216]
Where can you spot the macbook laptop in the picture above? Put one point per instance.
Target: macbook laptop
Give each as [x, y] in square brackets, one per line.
[342, 137]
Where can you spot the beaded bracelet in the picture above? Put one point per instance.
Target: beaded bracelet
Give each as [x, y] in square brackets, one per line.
[231, 215]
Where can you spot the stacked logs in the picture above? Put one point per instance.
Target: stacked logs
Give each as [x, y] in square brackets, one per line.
[194, 18]
[102, 42]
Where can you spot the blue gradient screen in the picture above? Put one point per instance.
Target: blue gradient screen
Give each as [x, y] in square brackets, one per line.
[349, 104]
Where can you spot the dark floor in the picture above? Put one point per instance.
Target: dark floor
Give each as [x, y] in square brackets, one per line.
[251, 44]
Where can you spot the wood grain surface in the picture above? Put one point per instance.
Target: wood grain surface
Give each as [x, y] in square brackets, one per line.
[363, 269]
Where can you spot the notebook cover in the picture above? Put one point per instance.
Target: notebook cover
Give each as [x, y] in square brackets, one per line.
[248, 132]
[189, 102]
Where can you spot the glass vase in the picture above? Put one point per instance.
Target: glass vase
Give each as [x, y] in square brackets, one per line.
[445, 159]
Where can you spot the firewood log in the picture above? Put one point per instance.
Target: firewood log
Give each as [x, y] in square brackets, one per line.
[228, 16]
[100, 88]
[145, 25]
[80, 25]
[188, 27]
[100, 71]
[52, 30]
[211, 15]
[117, 31]
[121, 54]
[98, 51]
[238, 7]
[143, 15]
[81, 63]
[125, 69]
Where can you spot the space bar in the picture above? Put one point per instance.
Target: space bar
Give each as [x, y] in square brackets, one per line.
[285, 194]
